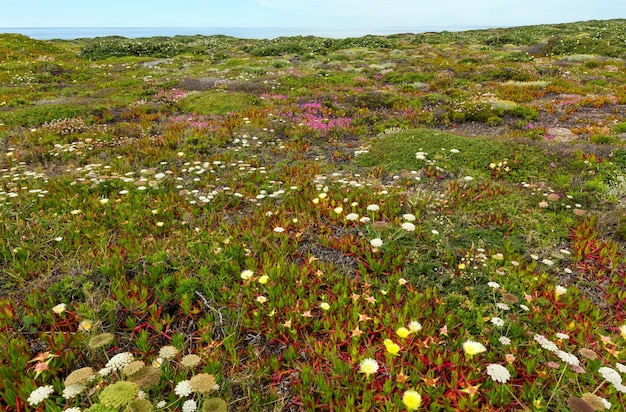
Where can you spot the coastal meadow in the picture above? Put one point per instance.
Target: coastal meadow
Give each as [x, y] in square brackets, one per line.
[411, 222]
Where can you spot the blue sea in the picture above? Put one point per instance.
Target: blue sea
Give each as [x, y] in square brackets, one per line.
[69, 33]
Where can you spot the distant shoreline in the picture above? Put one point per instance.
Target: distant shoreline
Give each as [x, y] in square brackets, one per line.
[71, 33]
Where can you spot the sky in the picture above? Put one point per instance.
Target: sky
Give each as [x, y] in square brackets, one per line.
[372, 14]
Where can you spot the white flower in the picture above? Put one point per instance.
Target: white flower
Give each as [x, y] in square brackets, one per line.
[472, 348]
[104, 372]
[120, 360]
[504, 340]
[502, 306]
[497, 321]
[524, 307]
[620, 367]
[545, 343]
[368, 366]
[559, 290]
[74, 409]
[409, 217]
[70, 391]
[567, 358]
[547, 262]
[408, 226]
[376, 242]
[415, 326]
[498, 373]
[338, 210]
[168, 352]
[246, 274]
[468, 178]
[352, 217]
[454, 151]
[183, 389]
[622, 331]
[324, 306]
[364, 219]
[434, 232]
[610, 375]
[60, 308]
[562, 336]
[493, 285]
[160, 404]
[104, 201]
[189, 405]
[39, 395]
[261, 299]
[373, 208]
[279, 229]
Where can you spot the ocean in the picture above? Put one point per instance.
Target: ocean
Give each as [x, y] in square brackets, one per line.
[69, 33]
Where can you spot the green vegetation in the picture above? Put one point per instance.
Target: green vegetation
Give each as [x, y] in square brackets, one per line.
[412, 222]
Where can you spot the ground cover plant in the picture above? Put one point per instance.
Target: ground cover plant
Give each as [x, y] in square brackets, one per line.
[411, 222]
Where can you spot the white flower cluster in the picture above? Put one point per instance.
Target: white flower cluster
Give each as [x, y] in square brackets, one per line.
[71, 391]
[352, 217]
[183, 389]
[493, 285]
[610, 375]
[547, 344]
[39, 395]
[376, 242]
[408, 226]
[168, 352]
[189, 405]
[119, 361]
[567, 358]
[498, 373]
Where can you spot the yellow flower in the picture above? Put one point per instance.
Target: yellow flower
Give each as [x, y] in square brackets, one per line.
[392, 348]
[403, 332]
[472, 348]
[368, 366]
[324, 306]
[622, 331]
[263, 279]
[412, 400]
[85, 325]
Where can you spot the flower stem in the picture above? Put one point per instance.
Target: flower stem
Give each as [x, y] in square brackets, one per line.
[556, 386]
